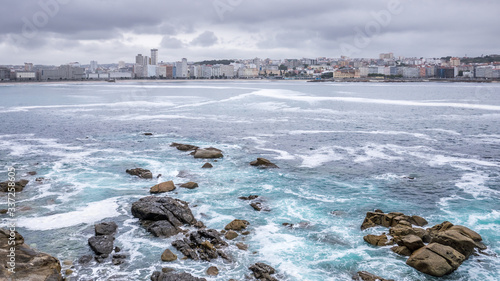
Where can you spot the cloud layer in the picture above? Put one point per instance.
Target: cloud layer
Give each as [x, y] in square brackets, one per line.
[61, 31]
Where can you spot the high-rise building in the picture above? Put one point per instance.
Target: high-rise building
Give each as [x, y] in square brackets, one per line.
[121, 64]
[139, 59]
[28, 66]
[181, 69]
[93, 66]
[154, 56]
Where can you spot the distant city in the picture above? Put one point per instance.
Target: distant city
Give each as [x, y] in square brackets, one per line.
[385, 67]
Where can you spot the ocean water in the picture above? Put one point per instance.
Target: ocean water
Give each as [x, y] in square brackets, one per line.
[427, 149]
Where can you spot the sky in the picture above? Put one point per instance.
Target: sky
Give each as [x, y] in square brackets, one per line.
[61, 31]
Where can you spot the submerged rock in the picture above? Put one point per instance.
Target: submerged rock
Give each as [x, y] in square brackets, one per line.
[29, 263]
[184, 147]
[250, 197]
[172, 276]
[263, 163]
[207, 166]
[213, 271]
[18, 185]
[367, 276]
[140, 172]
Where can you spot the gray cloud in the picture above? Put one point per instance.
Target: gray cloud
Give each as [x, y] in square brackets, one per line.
[278, 29]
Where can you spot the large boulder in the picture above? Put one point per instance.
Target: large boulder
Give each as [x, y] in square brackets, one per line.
[102, 244]
[456, 240]
[140, 172]
[367, 276]
[380, 240]
[168, 256]
[172, 276]
[163, 187]
[163, 216]
[105, 228]
[412, 242]
[190, 185]
[263, 272]
[436, 259]
[263, 163]
[18, 185]
[237, 225]
[208, 153]
[29, 264]
[184, 147]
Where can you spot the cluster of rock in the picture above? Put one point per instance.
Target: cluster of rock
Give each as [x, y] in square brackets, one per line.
[202, 244]
[255, 202]
[29, 263]
[367, 276]
[18, 185]
[263, 163]
[103, 243]
[263, 272]
[436, 251]
[140, 172]
[197, 152]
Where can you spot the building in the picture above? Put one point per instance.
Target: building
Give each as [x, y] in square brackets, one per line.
[93, 66]
[120, 75]
[121, 64]
[139, 59]
[346, 73]
[386, 56]
[154, 56]
[411, 72]
[151, 71]
[25, 75]
[182, 69]
[445, 72]
[63, 72]
[28, 66]
[454, 61]
[4, 73]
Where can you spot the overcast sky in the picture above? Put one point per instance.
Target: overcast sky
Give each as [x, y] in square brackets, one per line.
[62, 31]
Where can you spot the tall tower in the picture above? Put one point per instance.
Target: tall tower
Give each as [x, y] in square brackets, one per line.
[139, 59]
[93, 66]
[154, 56]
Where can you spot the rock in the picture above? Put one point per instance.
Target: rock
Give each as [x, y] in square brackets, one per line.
[436, 259]
[189, 185]
[141, 173]
[68, 262]
[172, 213]
[412, 242]
[201, 244]
[262, 271]
[29, 263]
[3, 211]
[263, 163]
[367, 276]
[230, 235]
[245, 233]
[401, 250]
[105, 228]
[18, 185]
[456, 240]
[467, 232]
[237, 225]
[439, 227]
[68, 272]
[101, 244]
[207, 245]
[168, 256]
[418, 221]
[32, 173]
[85, 259]
[172, 276]
[148, 134]
[257, 206]
[184, 147]
[213, 271]
[401, 230]
[208, 153]
[250, 197]
[117, 249]
[242, 246]
[167, 269]
[163, 187]
[380, 240]
[118, 259]
[207, 166]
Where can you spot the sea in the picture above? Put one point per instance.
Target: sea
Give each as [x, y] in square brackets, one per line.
[430, 149]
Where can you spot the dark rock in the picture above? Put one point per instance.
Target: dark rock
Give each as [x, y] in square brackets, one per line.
[29, 263]
[237, 225]
[101, 258]
[213, 271]
[263, 272]
[230, 235]
[263, 163]
[172, 276]
[85, 259]
[118, 259]
[148, 134]
[18, 185]
[167, 269]
[208, 153]
[257, 206]
[251, 197]
[32, 173]
[163, 187]
[142, 173]
[436, 259]
[3, 211]
[189, 185]
[168, 256]
[105, 228]
[162, 228]
[201, 244]
[380, 240]
[401, 250]
[184, 147]
[207, 166]
[367, 276]
[101, 244]
[117, 249]
[242, 246]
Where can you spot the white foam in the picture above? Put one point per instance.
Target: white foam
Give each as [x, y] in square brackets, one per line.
[416, 135]
[475, 184]
[320, 157]
[91, 213]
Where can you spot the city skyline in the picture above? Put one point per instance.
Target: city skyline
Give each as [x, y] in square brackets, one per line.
[60, 31]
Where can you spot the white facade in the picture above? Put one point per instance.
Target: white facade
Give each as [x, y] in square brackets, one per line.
[181, 69]
[154, 56]
[123, 75]
[93, 66]
[25, 75]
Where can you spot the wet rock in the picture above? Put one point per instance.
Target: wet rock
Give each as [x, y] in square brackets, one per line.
[101, 244]
[184, 147]
[263, 163]
[250, 197]
[189, 185]
[436, 259]
[401, 250]
[148, 134]
[18, 185]
[230, 235]
[172, 276]
[380, 240]
[213, 271]
[208, 153]
[207, 166]
[85, 259]
[257, 206]
[118, 259]
[263, 272]
[141, 173]
[456, 240]
[242, 246]
[163, 215]
[105, 228]
[117, 249]
[167, 269]
[3, 211]
[237, 225]
[201, 244]
[412, 242]
[168, 256]
[163, 187]
[32, 173]
[29, 264]
[418, 221]
[68, 272]
[367, 276]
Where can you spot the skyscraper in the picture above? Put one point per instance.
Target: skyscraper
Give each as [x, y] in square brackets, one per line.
[154, 56]
[93, 66]
[139, 59]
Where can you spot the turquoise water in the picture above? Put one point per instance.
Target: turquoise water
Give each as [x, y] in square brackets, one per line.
[343, 149]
